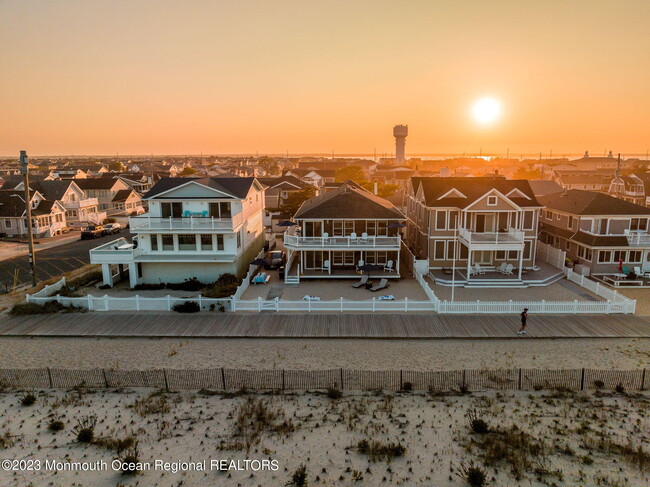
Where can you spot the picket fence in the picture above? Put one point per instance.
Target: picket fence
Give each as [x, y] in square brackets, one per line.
[342, 379]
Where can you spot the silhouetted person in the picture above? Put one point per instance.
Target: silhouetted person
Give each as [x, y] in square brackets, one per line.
[524, 317]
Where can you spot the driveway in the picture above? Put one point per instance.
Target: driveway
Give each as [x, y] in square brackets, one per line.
[52, 262]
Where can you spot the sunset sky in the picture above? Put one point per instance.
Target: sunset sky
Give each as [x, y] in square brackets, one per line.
[217, 76]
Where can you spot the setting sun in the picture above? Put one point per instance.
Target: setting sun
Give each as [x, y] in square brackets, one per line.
[486, 110]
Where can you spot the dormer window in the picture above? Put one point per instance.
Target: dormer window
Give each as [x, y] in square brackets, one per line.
[492, 200]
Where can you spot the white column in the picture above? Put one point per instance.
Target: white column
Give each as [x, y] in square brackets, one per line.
[106, 275]
[133, 275]
[469, 262]
[521, 262]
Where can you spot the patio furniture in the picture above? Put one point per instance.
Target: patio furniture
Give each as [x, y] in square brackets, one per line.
[362, 282]
[388, 266]
[326, 266]
[326, 235]
[626, 270]
[383, 284]
[262, 278]
[353, 236]
[386, 297]
[502, 268]
[478, 270]
[307, 297]
[364, 236]
[617, 281]
[508, 271]
[638, 271]
[360, 263]
[447, 270]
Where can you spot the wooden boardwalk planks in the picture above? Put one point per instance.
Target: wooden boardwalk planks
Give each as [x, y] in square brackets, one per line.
[331, 325]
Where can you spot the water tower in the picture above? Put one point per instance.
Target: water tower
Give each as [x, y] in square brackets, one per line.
[400, 132]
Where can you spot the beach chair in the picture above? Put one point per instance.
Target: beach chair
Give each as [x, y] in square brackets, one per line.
[364, 236]
[388, 266]
[508, 271]
[326, 266]
[626, 270]
[502, 268]
[479, 270]
[353, 236]
[362, 282]
[637, 271]
[383, 284]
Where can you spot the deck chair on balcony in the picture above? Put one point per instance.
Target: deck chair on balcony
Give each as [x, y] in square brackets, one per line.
[388, 266]
[362, 282]
[383, 284]
[326, 235]
[353, 236]
[638, 271]
[364, 236]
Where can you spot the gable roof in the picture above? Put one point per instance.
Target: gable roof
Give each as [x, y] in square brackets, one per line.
[123, 194]
[238, 187]
[579, 202]
[473, 188]
[543, 187]
[96, 183]
[349, 201]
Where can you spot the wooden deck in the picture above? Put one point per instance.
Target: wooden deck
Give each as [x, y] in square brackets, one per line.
[273, 325]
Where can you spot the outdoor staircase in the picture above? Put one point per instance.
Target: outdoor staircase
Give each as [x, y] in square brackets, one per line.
[291, 279]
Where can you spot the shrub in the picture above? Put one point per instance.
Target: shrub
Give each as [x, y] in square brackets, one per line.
[118, 445]
[46, 308]
[599, 384]
[334, 393]
[192, 284]
[85, 429]
[473, 475]
[476, 424]
[28, 399]
[298, 477]
[187, 307]
[55, 425]
[620, 388]
[149, 287]
[376, 450]
[110, 219]
[104, 286]
[407, 386]
[130, 460]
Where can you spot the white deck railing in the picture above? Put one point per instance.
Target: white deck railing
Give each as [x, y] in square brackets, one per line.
[637, 237]
[381, 242]
[511, 236]
[120, 248]
[147, 222]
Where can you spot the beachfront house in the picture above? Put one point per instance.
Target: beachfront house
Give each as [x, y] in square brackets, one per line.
[483, 228]
[600, 234]
[195, 227]
[341, 230]
[48, 216]
[114, 196]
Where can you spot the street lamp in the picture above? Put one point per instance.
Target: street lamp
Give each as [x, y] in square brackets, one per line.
[24, 170]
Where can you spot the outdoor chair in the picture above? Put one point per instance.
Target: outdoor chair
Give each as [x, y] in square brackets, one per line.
[502, 268]
[360, 263]
[353, 236]
[626, 269]
[362, 282]
[326, 266]
[326, 235]
[388, 266]
[508, 271]
[479, 270]
[383, 284]
[364, 236]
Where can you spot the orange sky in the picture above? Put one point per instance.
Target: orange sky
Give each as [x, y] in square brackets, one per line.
[217, 76]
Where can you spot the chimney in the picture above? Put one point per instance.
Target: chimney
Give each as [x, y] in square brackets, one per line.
[376, 188]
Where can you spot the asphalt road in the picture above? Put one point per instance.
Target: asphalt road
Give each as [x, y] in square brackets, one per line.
[52, 262]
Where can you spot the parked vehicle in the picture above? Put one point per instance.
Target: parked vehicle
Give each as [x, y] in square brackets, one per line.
[93, 232]
[276, 259]
[111, 228]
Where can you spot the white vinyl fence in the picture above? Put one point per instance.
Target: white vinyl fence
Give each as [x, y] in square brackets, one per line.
[340, 305]
[133, 303]
[551, 255]
[48, 290]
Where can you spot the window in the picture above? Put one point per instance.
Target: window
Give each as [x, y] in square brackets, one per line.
[439, 250]
[220, 241]
[450, 250]
[463, 252]
[239, 239]
[154, 243]
[548, 214]
[567, 245]
[635, 256]
[501, 255]
[205, 242]
[557, 216]
[603, 227]
[382, 227]
[186, 242]
[620, 255]
[174, 210]
[441, 220]
[638, 224]
[167, 242]
[528, 247]
[588, 254]
[570, 222]
[528, 220]
[7, 223]
[604, 256]
[491, 200]
[512, 255]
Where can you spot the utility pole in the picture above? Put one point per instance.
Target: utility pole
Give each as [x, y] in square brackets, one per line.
[24, 169]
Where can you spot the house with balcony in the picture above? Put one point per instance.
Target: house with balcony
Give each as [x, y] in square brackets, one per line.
[116, 198]
[81, 211]
[629, 188]
[48, 217]
[341, 230]
[476, 231]
[195, 227]
[600, 234]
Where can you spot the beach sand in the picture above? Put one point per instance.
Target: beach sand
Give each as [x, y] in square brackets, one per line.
[143, 353]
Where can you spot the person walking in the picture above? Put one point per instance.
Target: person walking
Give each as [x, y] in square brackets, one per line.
[524, 317]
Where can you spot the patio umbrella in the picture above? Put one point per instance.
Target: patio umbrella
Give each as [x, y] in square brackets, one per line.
[396, 225]
[287, 223]
[260, 262]
[368, 268]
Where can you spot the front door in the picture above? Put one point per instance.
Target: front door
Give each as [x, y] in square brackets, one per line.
[480, 223]
[313, 229]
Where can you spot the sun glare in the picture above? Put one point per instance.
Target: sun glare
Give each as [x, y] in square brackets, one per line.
[486, 110]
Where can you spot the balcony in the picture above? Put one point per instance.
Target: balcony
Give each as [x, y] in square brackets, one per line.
[637, 237]
[512, 239]
[84, 203]
[146, 223]
[119, 251]
[297, 242]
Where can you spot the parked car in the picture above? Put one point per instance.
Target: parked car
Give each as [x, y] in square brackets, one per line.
[276, 259]
[111, 228]
[93, 232]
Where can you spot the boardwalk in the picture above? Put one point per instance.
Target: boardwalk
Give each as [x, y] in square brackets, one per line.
[273, 325]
